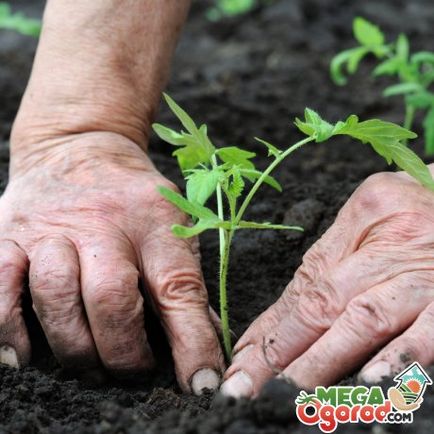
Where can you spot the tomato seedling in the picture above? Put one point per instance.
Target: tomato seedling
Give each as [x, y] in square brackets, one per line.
[18, 22]
[415, 72]
[224, 172]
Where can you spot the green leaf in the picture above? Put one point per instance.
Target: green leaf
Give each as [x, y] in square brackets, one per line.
[388, 67]
[272, 150]
[385, 138]
[351, 58]
[181, 231]
[421, 99]
[193, 209]
[18, 22]
[195, 147]
[423, 57]
[402, 89]
[168, 135]
[402, 47]
[266, 225]
[428, 124]
[182, 115]
[314, 126]
[233, 155]
[236, 183]
[366, 33]
[253, 175]
[201, 184]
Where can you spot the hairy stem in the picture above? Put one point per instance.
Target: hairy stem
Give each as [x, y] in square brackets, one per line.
[264, 175]
[224, 310]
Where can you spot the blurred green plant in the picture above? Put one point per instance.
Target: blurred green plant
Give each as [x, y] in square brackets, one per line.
[230, 8]
[18, 21]
[414, 72]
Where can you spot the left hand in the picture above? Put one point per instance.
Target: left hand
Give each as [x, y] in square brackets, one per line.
[366, 285]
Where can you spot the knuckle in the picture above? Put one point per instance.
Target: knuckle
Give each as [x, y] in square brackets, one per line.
[12, 259]
[375, 192]
[318, 307]
[314, 264]
[180, 288]
[58, 281]
[367, 317]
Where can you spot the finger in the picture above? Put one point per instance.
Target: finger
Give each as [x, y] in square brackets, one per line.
[416, 344]
[54, 280]
[114, 306]
[369, 321]
[172, 274]
[300, 317]
[15, 348]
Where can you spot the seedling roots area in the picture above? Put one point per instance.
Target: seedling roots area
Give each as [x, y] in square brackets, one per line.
[244, 76]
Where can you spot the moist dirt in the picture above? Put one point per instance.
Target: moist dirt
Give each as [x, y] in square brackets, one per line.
[244, 77]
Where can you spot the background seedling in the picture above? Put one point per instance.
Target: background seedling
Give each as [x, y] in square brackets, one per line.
[415, 72]
[224, 172]
[18, 22]
[230, 8]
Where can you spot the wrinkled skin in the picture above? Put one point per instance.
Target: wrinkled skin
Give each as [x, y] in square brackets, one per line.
[366, 285]
[85, 226]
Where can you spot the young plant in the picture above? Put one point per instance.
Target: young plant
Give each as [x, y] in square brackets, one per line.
[414, 72]
[224, 172]
[18, 22]
[229, 8]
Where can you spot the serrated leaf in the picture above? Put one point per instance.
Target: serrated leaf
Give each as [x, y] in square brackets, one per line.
[201, 184]
[195, 147]
[182, 115]
[253, 225]
[385, 138]
[252, 175]
[428, 124]
[236, 183]
[314, 126]
[402, 89]
[193, 209]
[233, 155]
[366, 33]
[272, 150]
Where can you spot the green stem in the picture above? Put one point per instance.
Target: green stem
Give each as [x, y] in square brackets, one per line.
[264, 175]
[224, 310]
[409, 116]
[225, 238]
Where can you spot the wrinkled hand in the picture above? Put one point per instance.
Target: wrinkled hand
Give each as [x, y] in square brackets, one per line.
[83, 220]
[366, 285]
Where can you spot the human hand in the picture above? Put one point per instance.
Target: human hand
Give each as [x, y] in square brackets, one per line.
[366, 285]
[81, 217]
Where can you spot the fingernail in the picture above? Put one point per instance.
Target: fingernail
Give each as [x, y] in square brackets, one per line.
[8, 356]
[238, 356]
[205, 379]
[238, 386]
[376, 372]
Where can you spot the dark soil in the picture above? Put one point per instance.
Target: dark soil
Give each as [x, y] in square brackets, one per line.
[245, 77]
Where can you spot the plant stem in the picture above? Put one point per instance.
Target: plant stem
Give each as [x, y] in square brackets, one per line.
[264, 175]
[409, 118]
[224, 310]
[225, 238]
